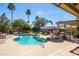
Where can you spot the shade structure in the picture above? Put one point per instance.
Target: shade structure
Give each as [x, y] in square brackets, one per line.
[72, 8]
[72, 22]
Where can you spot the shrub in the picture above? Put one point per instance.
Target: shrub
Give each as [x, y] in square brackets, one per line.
[50, 29]
[78, 31]
[78, 27]
[62, 30]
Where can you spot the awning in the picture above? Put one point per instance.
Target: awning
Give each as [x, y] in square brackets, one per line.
[72, 8]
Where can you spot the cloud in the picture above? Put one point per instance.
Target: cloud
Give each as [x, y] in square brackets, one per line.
[39, 13]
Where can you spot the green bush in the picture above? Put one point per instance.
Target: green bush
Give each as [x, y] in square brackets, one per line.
[62, 30]
[78, 31]
[78, 27]
[69, 31]
[40, 32]
[50, 29]
[37, 32]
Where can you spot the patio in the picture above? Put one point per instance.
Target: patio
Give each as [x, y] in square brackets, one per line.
[12, 48]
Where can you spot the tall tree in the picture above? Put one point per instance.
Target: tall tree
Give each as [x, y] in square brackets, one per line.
[77, 18]
[28, 12]
[11, 7]
[58, 23]
[19, 25]
[4, 23]
[49, 21]
[41, 21]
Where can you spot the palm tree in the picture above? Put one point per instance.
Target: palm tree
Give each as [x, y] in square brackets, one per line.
[49, 21]
[11, 7]
[77, 18]
[39, 21]
[28, 12]
[58, 23]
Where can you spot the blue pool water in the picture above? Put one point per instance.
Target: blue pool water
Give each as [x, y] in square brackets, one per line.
[29, 40]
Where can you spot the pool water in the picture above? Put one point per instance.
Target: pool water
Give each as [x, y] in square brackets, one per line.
[29, 40]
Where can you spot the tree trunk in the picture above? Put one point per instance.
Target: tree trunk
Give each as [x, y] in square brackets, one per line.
[11, 21]
[12, 16]
[28, 19]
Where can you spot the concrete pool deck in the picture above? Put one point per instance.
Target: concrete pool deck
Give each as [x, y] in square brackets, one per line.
[12, 48]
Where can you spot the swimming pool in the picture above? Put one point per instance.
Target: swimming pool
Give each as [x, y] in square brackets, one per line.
[29, 40]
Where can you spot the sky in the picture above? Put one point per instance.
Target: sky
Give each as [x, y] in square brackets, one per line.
[45, 10]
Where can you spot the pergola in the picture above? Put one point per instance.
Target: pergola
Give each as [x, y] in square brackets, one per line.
[72, 8]
[72, 22]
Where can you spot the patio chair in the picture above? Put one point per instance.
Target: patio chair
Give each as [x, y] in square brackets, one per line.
[74, 39]
[15, 33]
[2, 38]
[2, 41]
[56, 38]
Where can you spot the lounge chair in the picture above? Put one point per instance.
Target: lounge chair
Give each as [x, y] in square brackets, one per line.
[74, 39]
[56, 38]
[2, 38]
[2, 41]
[15, 33]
